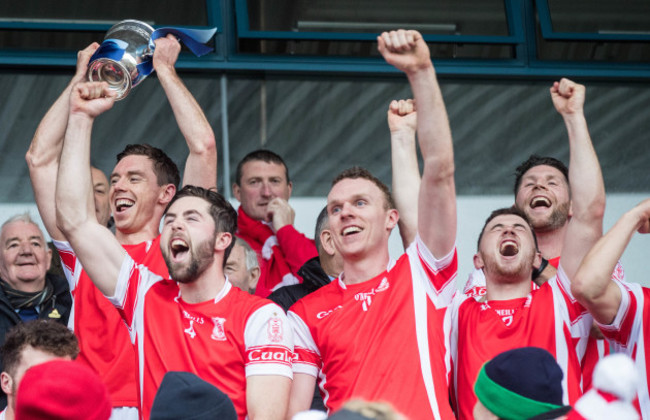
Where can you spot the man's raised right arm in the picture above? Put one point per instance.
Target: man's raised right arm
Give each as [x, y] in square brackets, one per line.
[45, 149]
[96, 247]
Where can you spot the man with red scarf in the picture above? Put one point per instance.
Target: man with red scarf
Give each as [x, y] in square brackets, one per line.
[265, 220]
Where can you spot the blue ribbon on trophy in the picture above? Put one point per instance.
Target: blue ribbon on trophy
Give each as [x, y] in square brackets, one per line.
[125, 57]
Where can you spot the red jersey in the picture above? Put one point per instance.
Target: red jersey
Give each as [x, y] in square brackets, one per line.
[104, 341]
[280, 255]
[382, 339]
[549, 318]
[629, 334]
[223, 340]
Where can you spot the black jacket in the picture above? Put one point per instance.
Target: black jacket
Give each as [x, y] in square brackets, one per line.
[57, 307]
[313, 278]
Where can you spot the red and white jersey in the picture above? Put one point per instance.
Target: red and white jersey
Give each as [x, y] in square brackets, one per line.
[629, 334]
[104, 341]
[382, 339]
[549, 318]
[223, 340]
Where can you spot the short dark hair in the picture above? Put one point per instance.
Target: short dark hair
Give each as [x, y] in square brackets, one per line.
[165, 169]
[506, 211]
[357, 172]
[536, 160]
[261, 155]
[223, 214]
[321, 221]
[42, 334]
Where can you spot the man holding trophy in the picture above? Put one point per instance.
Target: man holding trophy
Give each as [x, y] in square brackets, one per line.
[142, 183]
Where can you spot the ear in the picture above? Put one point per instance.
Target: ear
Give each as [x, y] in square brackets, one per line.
[222, 241]
[255, 276]
[7, 383]
[537, 261]
[290, 188]
[326, 242]
[570, 208]
[236, 191]
[478, 261]
[166, 194]
[49, 258]
[393, 218]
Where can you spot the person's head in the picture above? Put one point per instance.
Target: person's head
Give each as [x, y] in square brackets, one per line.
[542, 192]
[142, 183]
[261, 176]
[330, 260]
[361, 213]
[242, 267]
[518, 384]
[28, 344]
[62, 389]
[507, 246]
[185, 396]
[199, 226]
[25, 257]
[100, 190]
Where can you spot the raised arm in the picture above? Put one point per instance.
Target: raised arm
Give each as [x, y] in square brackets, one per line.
[99, 252]
[201, 164]
[407, 51]
[585, 177]
[402, 123]
[44, 151]
[592, 284]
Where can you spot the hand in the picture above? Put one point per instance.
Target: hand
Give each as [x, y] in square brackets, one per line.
[644, 216]
[83, 57]
[280, 213]
[91, 98]
[405, 50]
[402, 116]
[568, 97]
[166, 53]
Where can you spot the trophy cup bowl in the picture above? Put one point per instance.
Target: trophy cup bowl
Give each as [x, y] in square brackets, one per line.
[122, 75]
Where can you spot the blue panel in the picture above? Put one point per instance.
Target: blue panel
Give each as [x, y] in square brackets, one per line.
[546, 25]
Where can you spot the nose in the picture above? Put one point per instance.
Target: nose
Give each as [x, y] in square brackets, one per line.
[266, 189]
[346, 210]
[25, 248]
[118, 184]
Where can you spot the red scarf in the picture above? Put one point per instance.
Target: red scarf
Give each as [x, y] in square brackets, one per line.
[274, 269]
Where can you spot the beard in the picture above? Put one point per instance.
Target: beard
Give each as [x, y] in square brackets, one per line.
[200, 260]
[558, 218]
[510, 273]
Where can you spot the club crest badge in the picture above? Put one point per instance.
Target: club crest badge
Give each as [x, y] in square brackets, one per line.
[274, 331]
[218, 332]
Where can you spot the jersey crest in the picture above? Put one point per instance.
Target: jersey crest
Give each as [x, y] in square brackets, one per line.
[274, 329]
[218, 332]
[366, 297]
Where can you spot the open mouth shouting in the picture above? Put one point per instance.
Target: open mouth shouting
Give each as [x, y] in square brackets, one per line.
[122, 204]
[179, 248]
[540, 201]
[509, 248]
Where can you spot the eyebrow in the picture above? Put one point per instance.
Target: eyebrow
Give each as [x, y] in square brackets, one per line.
[114, 174]
[16, 238]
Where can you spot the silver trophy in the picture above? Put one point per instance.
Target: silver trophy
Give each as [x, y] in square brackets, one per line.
[126, 45]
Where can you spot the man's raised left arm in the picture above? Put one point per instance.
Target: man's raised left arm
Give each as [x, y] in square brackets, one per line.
[407, 51]
[201, 164]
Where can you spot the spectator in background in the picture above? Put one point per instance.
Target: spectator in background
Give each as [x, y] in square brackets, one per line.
[265, 220]
[242, 267]
[27, 292]
[27, 345]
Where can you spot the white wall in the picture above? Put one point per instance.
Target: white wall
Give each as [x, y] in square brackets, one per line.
[472, 212]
